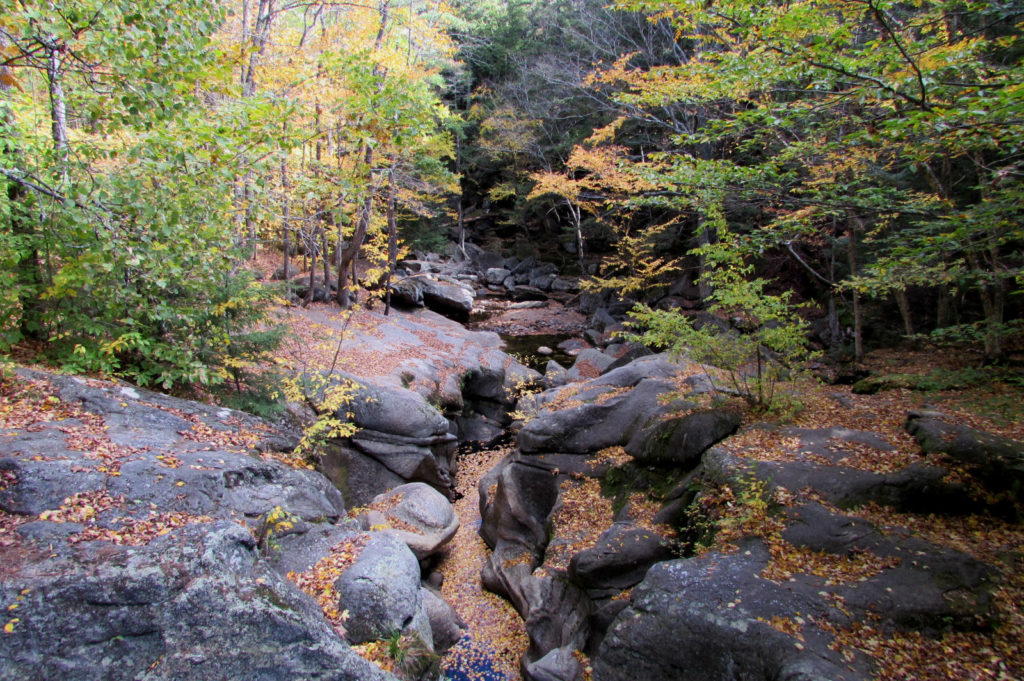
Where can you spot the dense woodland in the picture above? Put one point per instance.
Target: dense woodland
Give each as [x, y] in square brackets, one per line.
[817, 168]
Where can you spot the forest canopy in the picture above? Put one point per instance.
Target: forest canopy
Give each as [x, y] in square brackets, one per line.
[848, 152]
[858, 149]
[150, 147]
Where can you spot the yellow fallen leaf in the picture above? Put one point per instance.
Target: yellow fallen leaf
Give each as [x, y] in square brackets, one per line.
[9, 627]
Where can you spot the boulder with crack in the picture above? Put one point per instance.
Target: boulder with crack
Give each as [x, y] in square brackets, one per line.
[381, 592]
[603, 412]
[416, 514]
[404, 436]
[996, 461]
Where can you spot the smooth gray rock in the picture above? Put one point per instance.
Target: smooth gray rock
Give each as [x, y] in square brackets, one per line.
[407, 292]
[359, 477]
[601, 319]
[918, 488]
[597, 423]
[496, 275]
[590, 363]
[420, 516]
[996, 461]
[706, 618]
[525, 266]
[523, 292]
[515, 502]
[696, 620]
[558, 665]
[411, 462]
[543, 269]
[484, 260]
[555, 374]
[619, 559]
[541, 281]
[487, 384]
[557, 615]
[300, 288]
[393, 410]
[681, 441]
[633, 352]
[448, 296]
[212, 482]
[564, 285]
[479, 428]
[381, 592]
[445, 624]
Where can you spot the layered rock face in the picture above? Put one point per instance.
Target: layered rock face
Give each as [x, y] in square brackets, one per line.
[424, 384]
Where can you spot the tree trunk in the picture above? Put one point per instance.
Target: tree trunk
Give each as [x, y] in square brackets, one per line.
[243, 75]
[257, 44]
[851, 259]
[943, 308]
[285, 212]
[904, 305]
[459, 207]
[577, 223]
[704, 238]
[993, 303]
[260, 35]
[325, 255]
[58, 105]
[348, 257]
[249, 200]
[28, 275]
[392, 239]
[311, 248]
[835, 329]
[317, 112]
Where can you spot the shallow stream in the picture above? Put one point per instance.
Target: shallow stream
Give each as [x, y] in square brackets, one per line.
[524, 348]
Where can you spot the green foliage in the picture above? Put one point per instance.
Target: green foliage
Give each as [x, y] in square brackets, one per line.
[120, 249]
[413, 658]
[976, 333]
[766, 344]
[621, 482]
[889, 131]
[329, 398]
[276, 523]
[10, 300]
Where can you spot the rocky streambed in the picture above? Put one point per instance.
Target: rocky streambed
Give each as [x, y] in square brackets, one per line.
[634, 528]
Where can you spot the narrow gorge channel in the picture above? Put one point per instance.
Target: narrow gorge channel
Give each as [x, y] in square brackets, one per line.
[495, 639]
